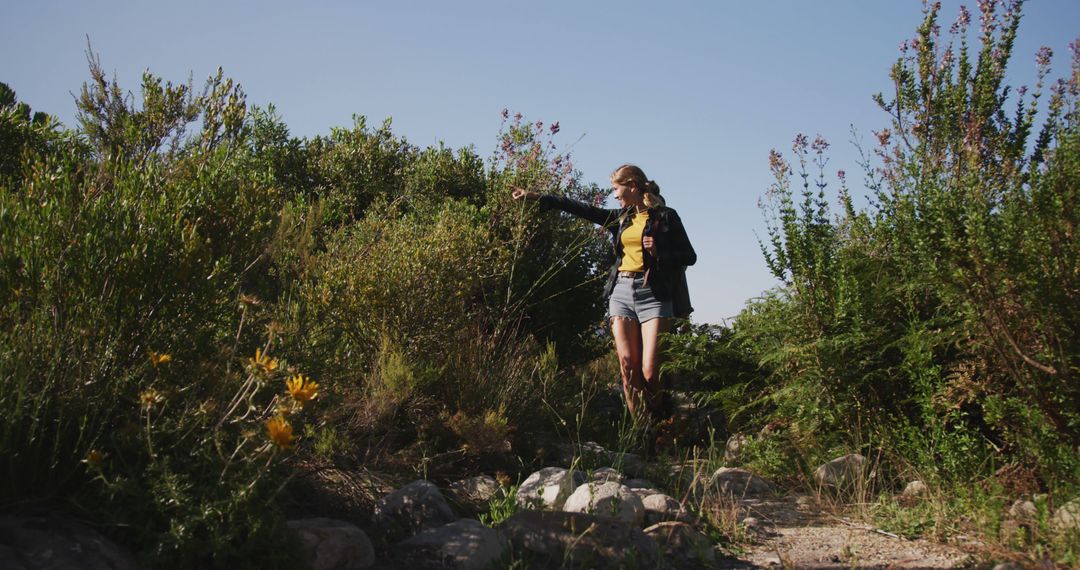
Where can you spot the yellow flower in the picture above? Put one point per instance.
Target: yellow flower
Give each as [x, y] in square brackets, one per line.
[150, 398]
[280, 432]
[94, 459]
[263, 362]
[301, 388]
[159, 358]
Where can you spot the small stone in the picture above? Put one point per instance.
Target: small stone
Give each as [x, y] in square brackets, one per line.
[609, 499]
[734, 447]
[1023, 511]
[915, 488]
[548, 488]
[605, 474]
[474, 493]
[750, 522]
[1067, 517]
[660, 507]
[1006, 566]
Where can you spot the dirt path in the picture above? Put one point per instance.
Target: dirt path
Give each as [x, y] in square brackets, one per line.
[795, 533]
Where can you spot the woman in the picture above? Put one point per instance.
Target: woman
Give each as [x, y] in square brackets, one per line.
[646, 286]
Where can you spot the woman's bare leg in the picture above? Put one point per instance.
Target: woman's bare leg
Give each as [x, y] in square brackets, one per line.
[651, 357]
[627, 333]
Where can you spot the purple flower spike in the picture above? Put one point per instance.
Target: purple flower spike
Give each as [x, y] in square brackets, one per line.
[1043, 56]
[800, 143]
[505, 113]
[555, 127]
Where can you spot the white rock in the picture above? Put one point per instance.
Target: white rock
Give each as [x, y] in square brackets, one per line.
[548, 488]
[660, 507]
[332, 544]
[609, 499]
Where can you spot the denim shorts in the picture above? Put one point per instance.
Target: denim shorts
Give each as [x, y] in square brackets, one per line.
[632, 298]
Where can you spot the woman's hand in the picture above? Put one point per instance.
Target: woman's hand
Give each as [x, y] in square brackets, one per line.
[649, 245]
[523, 194]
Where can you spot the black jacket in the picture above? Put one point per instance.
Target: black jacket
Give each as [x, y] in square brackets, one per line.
[666, 272]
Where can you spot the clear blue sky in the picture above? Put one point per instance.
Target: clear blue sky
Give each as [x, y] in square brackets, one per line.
[694, 92]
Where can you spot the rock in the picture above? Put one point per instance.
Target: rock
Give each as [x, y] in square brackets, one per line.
[1067, 517]
[415, 507]
[639, 484]
[605, 474]
[739, 483]
[590, 452]
[481, 487]
[548, 488]
[735, 445]
[691, 478]
[630, 463]
[750, 523]
[579, 540]
[609, 499]
[332, 544]
[474, 493]
[642, 493]
[462, 545]
[1023, 511]
[1006, 566]
[660, 507]
[681, 542]
[915, 489]
[843, 471]
[56, 542]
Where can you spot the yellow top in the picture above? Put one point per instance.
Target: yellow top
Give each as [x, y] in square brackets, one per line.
[633, 258]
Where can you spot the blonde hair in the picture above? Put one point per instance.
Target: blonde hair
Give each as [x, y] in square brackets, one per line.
[631, 175]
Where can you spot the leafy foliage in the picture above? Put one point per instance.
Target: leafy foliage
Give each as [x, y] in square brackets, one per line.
[191, 299]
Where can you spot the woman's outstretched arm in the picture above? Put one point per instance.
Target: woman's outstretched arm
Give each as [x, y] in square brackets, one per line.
[596, 215]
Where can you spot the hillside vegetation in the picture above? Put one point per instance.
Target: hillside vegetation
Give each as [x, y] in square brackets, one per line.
[196, 305]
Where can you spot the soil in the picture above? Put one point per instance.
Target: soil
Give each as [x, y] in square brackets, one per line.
[793, 532]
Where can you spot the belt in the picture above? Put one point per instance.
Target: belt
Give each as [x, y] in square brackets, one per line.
[632, 274]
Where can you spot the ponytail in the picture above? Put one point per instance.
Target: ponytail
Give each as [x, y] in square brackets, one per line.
[652, 195]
